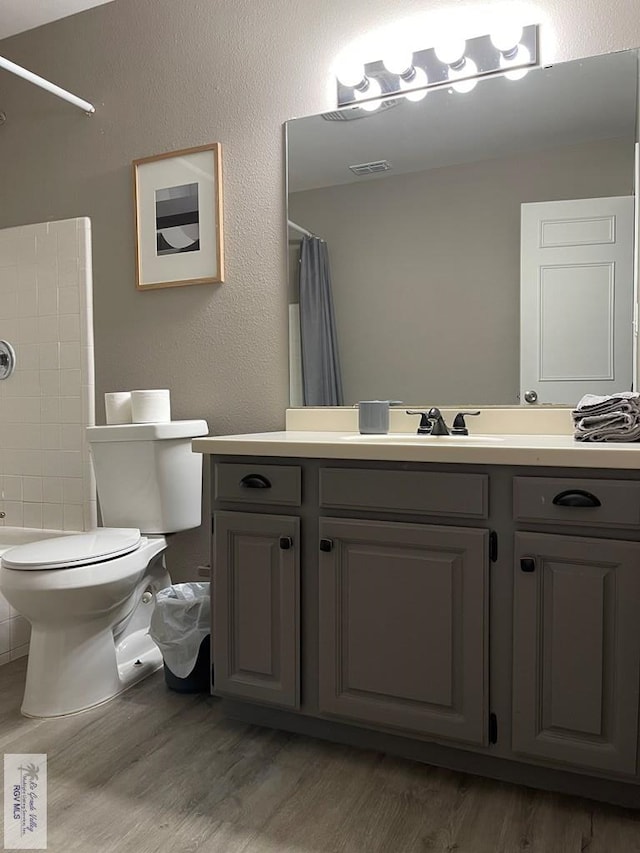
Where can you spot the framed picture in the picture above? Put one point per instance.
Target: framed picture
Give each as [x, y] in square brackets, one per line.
[178, 204]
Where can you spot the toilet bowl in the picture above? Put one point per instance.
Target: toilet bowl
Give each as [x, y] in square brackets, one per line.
[89, 596]
[89, 621]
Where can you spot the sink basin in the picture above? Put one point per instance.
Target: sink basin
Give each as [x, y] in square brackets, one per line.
[413, 438]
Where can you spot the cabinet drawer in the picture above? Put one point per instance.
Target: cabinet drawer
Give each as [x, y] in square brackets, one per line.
[616, 503]
[258, 484]
[461, 495]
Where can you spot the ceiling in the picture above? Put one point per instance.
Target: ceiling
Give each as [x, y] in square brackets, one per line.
[16, 16]
[565, 104]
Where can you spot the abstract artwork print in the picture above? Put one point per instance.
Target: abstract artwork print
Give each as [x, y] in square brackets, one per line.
[177, 220]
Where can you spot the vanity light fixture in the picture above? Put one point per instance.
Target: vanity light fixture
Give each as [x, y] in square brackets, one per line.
[510, 51]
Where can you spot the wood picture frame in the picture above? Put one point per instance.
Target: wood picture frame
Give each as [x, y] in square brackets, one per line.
[178, 216]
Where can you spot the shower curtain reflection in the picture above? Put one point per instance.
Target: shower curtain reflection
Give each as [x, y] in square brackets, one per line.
[321, 375]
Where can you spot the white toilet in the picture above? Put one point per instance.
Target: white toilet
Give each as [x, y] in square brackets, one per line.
[89, 596]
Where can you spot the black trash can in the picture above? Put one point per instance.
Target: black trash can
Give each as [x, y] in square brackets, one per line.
[181, 628]
[199, 679]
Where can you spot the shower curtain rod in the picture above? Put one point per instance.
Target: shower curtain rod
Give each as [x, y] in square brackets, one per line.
[299, 229]
[46, 85]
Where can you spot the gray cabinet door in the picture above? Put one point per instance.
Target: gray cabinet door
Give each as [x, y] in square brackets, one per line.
[256, 632]
[403, 626]
[576, 659]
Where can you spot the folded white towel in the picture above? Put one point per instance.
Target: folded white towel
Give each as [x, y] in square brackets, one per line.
[609, 435]
[615, 426]
[595, 404]
[613, 417]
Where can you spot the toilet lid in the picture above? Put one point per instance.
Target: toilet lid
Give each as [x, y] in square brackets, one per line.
[79, 549]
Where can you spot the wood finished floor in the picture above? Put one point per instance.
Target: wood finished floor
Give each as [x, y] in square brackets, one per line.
[154, 771]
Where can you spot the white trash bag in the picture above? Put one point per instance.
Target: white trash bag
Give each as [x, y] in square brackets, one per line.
[180, 621]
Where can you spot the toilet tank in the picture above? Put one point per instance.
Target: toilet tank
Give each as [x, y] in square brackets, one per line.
[147, 476]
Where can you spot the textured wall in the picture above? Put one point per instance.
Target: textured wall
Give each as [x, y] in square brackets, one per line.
[409, 289]
[166, 75]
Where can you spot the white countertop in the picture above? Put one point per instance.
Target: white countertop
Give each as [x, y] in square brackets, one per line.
[546, 450]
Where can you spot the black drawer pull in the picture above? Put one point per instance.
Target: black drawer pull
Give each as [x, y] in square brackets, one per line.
[255, 481]
[286, 542]
[326, 545]
[576, 497]
[527, 564]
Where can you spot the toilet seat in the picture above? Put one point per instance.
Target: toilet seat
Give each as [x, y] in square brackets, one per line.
[75, 550]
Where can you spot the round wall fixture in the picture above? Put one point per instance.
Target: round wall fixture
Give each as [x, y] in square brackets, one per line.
[7, 360]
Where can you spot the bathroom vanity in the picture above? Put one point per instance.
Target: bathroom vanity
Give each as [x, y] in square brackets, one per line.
[474, 605]
[470, 602]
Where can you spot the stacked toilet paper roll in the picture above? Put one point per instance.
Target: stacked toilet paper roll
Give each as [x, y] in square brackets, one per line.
[117, 406]
[138, 407]
[151, 406]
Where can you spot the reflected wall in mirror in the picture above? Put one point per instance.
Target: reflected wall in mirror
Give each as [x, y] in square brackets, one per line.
[426, 261]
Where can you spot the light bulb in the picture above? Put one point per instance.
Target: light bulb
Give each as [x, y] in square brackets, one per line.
[521, 55]
[459, 78]
[398, 60]
[451, 50]
[506, 37]
[350, 72]
[518, 74]
[373, 90]
[419, 79]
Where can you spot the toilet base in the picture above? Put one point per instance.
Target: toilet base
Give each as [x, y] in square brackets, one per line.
[74, 667]
[139, 659]
[96, 671]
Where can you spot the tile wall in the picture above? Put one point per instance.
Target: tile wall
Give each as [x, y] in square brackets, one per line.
[46, 480]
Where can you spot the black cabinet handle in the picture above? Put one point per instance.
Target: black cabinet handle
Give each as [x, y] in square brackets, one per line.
[326, 544]
[576, 497]
[527, 564]
[255, 481]
[286, 542]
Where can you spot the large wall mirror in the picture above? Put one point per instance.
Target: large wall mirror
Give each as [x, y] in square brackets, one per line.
[485, 246]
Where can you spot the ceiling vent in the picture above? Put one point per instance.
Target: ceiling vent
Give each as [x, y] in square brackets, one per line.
[353, 113]
[361, 169]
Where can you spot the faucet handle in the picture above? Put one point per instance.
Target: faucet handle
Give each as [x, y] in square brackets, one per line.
[425, 427]
[459, 426]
